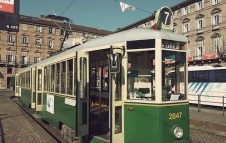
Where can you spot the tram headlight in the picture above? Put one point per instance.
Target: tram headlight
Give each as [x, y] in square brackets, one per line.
[178, 132]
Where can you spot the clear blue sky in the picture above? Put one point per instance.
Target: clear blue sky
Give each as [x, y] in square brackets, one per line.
[104, 14]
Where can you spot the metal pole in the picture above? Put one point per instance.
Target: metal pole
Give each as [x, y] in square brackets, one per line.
[198, 102]
[223, 105]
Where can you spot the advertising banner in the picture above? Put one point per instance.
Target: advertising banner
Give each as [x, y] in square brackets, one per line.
[50, 103]
[7, 6]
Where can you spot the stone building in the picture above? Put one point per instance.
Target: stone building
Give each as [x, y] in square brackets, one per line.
[37, 39]
[204, 23]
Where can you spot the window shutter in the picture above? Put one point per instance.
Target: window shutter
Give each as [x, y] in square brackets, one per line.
[188, 9]
[220, 18]
[27, 39]
[196, 24]
[189, 27]
[203, 4]
[212, 18]
[196, 6]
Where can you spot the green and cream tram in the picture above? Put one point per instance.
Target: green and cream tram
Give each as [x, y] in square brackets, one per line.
[114, 89]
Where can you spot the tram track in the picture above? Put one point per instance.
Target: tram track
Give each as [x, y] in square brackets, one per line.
[50, 130]
[199, 134]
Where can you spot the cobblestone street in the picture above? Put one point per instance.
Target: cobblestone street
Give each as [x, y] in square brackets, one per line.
[18, 127]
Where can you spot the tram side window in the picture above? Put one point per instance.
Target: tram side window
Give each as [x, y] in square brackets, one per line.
[69, 76]
[173, 76]
[52, 78]
[141, 76]
[45, 78]
[63, 76]
[57, 86]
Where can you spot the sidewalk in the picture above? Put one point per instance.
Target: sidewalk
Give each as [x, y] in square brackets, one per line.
[19, 127]
[208, 118]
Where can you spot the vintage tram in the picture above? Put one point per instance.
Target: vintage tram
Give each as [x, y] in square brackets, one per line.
[114, 89]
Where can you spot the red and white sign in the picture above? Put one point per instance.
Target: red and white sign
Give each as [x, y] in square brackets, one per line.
[209, 56]
[190, 58]
[7, 6]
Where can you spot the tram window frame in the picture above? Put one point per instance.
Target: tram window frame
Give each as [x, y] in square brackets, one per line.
[69, 86]
[173, 85]
[45, 79]
[141, 77]
[63, 77]
[53, 78]
[57, 77]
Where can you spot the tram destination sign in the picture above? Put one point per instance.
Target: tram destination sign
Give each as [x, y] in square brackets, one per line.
[175, 45]
[9, 15]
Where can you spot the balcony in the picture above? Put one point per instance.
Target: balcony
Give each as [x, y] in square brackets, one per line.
[25, 44]
[10, 62]
[38, 46]
[10, 43]
[216, 26]
[199, 30]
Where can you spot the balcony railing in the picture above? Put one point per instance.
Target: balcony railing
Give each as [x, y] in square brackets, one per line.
[215, 26]
[199, 30]
[10, 43]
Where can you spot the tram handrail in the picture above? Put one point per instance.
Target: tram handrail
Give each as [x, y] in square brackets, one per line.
[199, 100]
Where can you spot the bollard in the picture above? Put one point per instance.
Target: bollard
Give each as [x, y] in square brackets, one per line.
[223, 105]
[198, 102]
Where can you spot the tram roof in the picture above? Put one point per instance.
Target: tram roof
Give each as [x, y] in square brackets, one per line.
[133, 35]
[128, 35]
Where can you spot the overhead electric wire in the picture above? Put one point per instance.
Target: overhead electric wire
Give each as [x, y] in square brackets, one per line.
[72, 2]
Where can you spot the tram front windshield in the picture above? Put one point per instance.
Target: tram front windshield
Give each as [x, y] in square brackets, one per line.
[141, 76]
[173, 75]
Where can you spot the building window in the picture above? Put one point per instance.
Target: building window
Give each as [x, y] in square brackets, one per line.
[186, 10]
[24, 58]
[10, 57]
[214, 2]
[51, 30]
[37, 58]
[62, 32]
[199, 24]
[38, 43]
[216, 20]
[186, 27]
[38, 28]
[217, 42]
[50, 44]
[25, 40]
[199, 5]
[11, 39]
[199, 49]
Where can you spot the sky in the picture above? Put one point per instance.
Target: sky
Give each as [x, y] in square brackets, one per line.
[103, 14]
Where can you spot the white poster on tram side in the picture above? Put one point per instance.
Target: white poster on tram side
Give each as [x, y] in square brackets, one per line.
[70, 101]
[50, 103]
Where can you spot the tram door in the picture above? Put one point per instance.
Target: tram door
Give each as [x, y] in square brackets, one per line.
[82, 99]
[38, 97]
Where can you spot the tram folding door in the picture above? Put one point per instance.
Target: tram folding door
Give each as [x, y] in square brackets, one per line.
[82, 100]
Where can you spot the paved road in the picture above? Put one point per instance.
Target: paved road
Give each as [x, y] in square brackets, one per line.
[18, 127]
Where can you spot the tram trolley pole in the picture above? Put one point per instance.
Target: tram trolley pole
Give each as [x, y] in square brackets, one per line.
[199, 105]
[223, 104]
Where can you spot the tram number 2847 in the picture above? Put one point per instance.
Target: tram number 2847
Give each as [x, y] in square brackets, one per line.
[174, 116]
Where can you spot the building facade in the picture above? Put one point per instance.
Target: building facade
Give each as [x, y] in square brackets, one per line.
[37, 39]
[204, 23]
